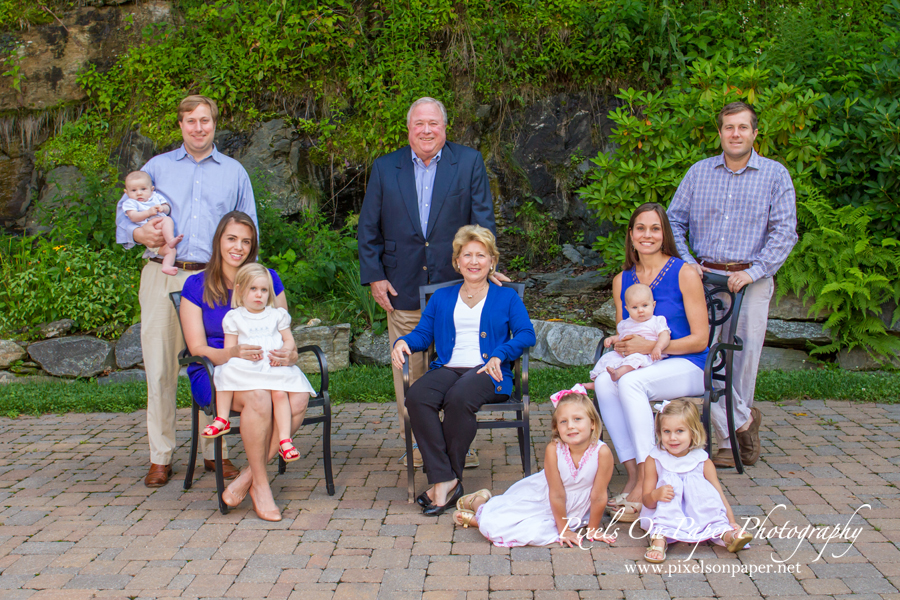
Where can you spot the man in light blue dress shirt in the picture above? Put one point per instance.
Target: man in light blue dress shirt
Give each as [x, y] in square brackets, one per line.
[740, 211]
[201, 185]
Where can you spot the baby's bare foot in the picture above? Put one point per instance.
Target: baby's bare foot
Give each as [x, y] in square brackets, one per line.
[613, 373]
[175, 240]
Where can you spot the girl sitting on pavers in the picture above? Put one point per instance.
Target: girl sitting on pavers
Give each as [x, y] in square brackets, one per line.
[552, 505]
[683, 500]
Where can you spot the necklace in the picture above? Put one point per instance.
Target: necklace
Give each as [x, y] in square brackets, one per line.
[468, 295]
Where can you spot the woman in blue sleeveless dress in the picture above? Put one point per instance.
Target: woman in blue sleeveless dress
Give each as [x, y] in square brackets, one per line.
[651, 258]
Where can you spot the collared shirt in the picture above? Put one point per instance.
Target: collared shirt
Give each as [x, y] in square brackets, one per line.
[200, 194]
[748, 216]
[425, 185]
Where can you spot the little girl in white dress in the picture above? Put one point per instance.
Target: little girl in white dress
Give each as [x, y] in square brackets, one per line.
[552, 505]
[641, 321]
[685, 502]
[254, 320]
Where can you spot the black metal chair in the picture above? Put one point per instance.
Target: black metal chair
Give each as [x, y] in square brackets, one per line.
[519, 400]
[322, 400]
[721, 305]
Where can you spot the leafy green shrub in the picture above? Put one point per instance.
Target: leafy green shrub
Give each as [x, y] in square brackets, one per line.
[42, 282]
[837, 265]
[83, 143]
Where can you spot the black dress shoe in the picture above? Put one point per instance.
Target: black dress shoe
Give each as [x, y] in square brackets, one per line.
[433, 510]
[423, 500]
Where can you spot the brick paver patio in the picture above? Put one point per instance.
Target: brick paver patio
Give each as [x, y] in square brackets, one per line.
[77, 523]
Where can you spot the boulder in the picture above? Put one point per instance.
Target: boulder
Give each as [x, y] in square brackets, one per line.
[128, 348]
[50, 57]
[784, 359]
[56, 329]
[76, 356]
[334, 340]
[10, 352]
[606, 314]
[18, 184]
[63, 185]
[275, 153]
[565, 345]
[132, 153]
[858, 359]
[572, 254]
[123, 377]
[7, 377]
[588, 281]
[795, 334]
[368, 349]
[790, 308]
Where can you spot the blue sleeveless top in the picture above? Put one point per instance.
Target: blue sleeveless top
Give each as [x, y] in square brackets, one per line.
[669, 304]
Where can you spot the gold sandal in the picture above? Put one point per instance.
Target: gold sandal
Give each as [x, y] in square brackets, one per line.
[461, 503]
[464, 517]
[653, 548]
[738, 542]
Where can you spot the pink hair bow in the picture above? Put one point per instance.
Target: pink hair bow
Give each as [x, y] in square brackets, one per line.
[576, 389]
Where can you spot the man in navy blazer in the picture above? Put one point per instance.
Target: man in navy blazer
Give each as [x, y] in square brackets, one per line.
[416, 200]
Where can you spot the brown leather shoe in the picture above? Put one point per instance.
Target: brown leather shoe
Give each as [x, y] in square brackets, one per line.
[748, 441]
[229, 471]
[158, 475]
[724, 459]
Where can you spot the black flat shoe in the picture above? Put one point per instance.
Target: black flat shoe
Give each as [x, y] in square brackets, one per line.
[433, 510]
[423, 500]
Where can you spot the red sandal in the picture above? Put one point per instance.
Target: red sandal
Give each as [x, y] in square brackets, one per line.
[213, 430]
[291, 454]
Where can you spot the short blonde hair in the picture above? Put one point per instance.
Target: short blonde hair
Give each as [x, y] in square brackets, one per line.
[245, 276]
[475, 233]
[585, 404]
[687, 412]
[135, 176]
[191, 102]
[637, 288]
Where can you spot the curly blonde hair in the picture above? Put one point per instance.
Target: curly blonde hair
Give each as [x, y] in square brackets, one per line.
[585, 404]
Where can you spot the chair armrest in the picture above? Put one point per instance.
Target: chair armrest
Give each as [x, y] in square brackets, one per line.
[323, 364]
[601, 349]
[737, 346]
[184, 359]
[520, 373]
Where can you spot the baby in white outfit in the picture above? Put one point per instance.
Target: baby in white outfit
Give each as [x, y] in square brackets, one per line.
[641, 321]
[144, 204]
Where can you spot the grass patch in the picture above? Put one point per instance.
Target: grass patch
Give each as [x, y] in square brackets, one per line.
[828, 384]
[374, 384]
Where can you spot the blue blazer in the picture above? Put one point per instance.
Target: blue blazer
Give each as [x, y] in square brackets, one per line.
[391, 243]
[503, 313]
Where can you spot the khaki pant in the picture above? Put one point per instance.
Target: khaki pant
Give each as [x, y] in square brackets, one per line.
[751, 328]
[161, 341]
[401, 322]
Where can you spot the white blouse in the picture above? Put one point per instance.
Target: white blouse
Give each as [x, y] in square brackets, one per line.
[467, 350]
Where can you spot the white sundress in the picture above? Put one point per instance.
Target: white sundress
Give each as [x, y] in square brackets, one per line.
[696, 513]
[264, 330]
[523, 517]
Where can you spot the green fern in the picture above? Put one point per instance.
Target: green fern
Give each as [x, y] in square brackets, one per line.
[838, 267]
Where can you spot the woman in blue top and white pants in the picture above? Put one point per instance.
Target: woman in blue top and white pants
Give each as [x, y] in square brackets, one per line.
[651, 258]
[470, 325]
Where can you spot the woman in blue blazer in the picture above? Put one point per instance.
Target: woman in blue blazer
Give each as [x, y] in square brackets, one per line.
[478, 330]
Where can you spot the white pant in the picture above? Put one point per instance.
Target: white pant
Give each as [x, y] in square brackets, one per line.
[625, 405]
[751, 328]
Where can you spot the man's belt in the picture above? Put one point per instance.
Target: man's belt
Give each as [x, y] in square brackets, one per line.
[187, 266]
[730, 267]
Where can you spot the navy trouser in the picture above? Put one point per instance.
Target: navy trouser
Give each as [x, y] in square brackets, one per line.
[459, 392]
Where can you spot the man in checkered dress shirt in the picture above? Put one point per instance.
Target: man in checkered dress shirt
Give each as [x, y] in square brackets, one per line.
[740, 211]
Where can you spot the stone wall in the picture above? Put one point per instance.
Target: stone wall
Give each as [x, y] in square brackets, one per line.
[70, 356]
